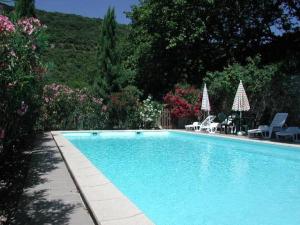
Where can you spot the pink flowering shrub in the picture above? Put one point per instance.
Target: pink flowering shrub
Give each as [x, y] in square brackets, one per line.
[66, 108]
[21, 75]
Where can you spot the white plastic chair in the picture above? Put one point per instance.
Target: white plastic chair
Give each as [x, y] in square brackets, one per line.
[206, 124]
[213, 127]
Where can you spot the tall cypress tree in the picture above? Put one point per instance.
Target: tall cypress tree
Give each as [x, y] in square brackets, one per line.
[108, 59]
[25, 8]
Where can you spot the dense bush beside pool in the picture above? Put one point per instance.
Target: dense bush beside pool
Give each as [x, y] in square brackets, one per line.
[21, 78]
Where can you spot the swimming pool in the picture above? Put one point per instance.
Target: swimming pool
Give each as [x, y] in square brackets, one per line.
[187, 179]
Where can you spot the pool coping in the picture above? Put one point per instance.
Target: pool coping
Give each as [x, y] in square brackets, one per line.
[107, 204]
[241, 138]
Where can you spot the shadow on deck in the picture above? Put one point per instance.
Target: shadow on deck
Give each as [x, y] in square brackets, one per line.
[50, 195]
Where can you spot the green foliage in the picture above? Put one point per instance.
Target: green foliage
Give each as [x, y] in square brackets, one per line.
[180, 41]
[176, 41]
[162, 37]
[270, 88]
[25, 8]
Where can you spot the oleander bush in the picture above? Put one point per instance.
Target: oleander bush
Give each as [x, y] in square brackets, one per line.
[67, 108]
[184, 101]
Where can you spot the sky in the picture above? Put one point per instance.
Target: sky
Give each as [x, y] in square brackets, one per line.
[89, 8]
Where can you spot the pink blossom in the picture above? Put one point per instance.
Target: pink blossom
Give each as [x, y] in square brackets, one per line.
[47, 99]
[13, 53]
[98, 100]
[29, 25]
[104, 108]
[6, 25]
[82, 98]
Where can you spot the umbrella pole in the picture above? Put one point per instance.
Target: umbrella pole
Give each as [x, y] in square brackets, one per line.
[240, 120]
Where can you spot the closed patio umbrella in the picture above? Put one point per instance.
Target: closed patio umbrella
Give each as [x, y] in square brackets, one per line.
[241, 103]
[205, 106]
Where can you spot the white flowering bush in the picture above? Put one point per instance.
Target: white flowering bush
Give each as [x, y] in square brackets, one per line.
[149, 113]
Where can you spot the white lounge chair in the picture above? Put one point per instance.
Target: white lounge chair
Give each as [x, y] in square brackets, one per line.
[276, 125]
[192, 126]
[292, 132]
[263, 130]
[208, 125]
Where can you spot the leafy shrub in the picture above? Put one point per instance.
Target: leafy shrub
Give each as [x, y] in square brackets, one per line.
[184, 102]
[257, 80]
[123, 108]
[149, 112]
[66, 108]
[21, 70]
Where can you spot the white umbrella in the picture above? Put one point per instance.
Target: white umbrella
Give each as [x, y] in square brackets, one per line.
[205, 106]
[241, 102]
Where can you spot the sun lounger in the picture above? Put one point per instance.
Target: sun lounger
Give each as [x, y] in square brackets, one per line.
[276, 125]
[291, 132]
[262, 130]
[192, 126]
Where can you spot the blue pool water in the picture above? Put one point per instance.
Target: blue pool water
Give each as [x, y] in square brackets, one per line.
[187, 179]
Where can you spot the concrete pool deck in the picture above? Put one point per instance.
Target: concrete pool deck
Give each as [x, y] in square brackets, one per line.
[107, 204]
[50, 195]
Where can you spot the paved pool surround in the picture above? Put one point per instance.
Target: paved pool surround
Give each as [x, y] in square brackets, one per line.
[106, 203]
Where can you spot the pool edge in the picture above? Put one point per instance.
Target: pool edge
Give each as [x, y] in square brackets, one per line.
[107, 204]
[242, 138]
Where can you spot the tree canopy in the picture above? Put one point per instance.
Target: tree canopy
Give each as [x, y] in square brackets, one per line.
[181, 40]
[107, 57]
